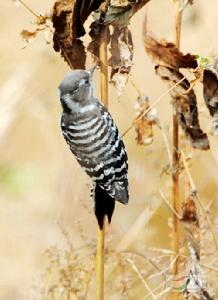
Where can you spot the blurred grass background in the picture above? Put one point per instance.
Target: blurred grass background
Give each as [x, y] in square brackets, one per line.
[42, 188]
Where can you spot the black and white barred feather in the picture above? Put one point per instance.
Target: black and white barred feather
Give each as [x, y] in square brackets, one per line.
[94, 139]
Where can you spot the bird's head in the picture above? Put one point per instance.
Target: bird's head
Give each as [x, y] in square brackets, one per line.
[76, 87]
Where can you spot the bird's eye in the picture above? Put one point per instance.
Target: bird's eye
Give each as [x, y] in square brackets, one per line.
[86, 81]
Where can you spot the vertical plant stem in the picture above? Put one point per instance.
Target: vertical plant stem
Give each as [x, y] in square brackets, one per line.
[175, 163]
[104, 68]
[100, 264]
[101, 232]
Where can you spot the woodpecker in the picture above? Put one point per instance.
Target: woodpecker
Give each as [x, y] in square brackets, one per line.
[93, 138]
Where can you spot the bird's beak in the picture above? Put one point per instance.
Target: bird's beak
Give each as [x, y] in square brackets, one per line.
[91, 71]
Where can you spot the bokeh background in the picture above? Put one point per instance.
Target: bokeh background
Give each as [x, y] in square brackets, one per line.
[43, 191]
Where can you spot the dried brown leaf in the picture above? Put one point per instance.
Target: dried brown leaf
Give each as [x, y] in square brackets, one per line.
[68, 20]
[186, 106]
[96, 28]
[42, 24]
[28, 36]
[191, 222]
[65, 15]
[42, 19]
[121, 56]
[167, 53]
[210, 92]
[189, 209]
[143, 126]
[74, 13]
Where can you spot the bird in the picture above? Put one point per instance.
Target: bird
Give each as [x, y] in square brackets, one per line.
[94, 139]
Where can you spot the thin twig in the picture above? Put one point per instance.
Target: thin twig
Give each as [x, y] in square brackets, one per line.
[142, 279]
[194, 191]
[28, 8]
[164, 198]
[152, 105]
[211, 268]
[156, 289]
[146, 257]
[166, 144]
[131, 80]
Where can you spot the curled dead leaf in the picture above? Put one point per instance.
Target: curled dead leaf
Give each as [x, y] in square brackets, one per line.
[68, 21]
[42, 19]
[121, 56]
[96, 29]
[186, 106]
[28, 36]
[210, 92]
[43, 24]
[189, 211]
[67, 29]
[167, 54]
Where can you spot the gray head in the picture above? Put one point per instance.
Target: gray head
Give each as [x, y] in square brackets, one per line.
[76, 87]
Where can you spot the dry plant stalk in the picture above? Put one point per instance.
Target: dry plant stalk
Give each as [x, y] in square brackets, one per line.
[175, 164]
[100, 263]
[101, 232]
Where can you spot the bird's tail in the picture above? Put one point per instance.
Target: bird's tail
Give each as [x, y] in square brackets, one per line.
[104, 205]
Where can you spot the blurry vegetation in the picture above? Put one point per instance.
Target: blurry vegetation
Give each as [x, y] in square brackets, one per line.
[138, 249]
[18, 179]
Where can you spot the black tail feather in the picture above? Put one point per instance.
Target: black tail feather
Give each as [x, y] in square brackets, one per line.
[104, 205]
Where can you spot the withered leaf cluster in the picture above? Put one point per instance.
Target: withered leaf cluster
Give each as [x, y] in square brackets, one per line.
[68, 18]
[169, 60]
[42, 23]
[121, 48]
[186, 105]
[112, 18]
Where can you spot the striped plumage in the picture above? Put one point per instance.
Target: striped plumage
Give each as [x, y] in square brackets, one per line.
[94, 139]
